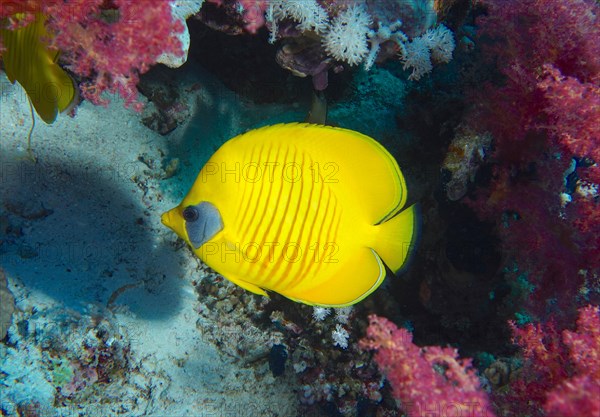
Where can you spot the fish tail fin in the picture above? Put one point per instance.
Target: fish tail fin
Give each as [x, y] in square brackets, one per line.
[396, 238]
[29, 60]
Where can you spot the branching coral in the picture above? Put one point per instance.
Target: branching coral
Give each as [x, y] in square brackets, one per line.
[561, 374]
[429, 380]
[109, 44]
[111, 47]
[544, 115]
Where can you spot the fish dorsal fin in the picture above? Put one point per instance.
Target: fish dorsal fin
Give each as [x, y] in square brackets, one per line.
[355, 162]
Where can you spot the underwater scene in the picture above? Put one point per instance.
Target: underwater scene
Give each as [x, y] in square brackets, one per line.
[281, 208]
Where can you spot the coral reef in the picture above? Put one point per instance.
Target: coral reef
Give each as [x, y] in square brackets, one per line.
[97, 43]
[81, 354]
[434, 380]
[506, 172]
[542, 113]
[323, 359]
[425, 379]
[109, 44]
[561, 373]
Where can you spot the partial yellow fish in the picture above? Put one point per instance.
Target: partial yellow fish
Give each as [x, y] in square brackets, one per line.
[30, 61]
[310, 212]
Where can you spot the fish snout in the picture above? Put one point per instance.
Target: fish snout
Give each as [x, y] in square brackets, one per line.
[166, 218]
[174, 221]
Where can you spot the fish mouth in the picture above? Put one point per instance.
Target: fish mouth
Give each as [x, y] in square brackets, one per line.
[166, 218]
[173, 220]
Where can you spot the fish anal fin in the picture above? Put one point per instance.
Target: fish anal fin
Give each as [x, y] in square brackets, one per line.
[353, 281]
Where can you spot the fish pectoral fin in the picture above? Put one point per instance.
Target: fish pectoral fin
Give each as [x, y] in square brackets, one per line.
[356, 278]
[247, 286]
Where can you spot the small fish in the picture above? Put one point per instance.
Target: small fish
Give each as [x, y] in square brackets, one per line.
[29, 60]
[277, 357]
[310, 212]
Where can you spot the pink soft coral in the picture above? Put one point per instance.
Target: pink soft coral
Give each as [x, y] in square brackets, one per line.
[108, 43]
[561, 375]
[112, 43]
[543, 116]
[9, 9]
[254, 14]
[572, 108]
[426, 380]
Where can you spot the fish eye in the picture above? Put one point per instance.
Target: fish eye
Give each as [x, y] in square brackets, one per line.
[190, 214]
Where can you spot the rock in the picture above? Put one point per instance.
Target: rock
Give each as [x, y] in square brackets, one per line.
[7, 307]
[181, 9]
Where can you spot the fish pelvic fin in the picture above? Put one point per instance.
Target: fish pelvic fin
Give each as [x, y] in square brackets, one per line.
[248, 286]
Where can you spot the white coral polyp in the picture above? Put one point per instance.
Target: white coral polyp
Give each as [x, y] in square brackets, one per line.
[346, 39]
[437, 44]
[441, 43]
[417, 57]
[308, 13]
[319, 313]
[340, 336]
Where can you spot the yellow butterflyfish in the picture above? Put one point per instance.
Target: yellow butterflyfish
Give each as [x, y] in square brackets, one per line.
[308, 211]
[30, 61]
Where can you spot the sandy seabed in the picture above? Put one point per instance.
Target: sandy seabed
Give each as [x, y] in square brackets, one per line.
[93, 270]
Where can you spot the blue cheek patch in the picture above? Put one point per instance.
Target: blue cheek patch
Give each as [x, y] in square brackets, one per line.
[206, 226]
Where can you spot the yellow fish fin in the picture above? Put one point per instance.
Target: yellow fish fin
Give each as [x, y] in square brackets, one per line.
[354, 281]
[355, 161]
[395, 238]
[374, 171]
[30, 61]
[247, 286]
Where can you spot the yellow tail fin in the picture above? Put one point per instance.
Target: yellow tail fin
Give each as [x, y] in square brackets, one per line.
[30, 61]
[396, 238]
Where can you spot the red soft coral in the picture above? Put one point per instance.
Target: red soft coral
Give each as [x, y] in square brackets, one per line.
[428, 381]
[572, 108]
[538, 32]
[254, 14]
[110, 43]
[543, 115]
[9, 9]
[561, 375]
